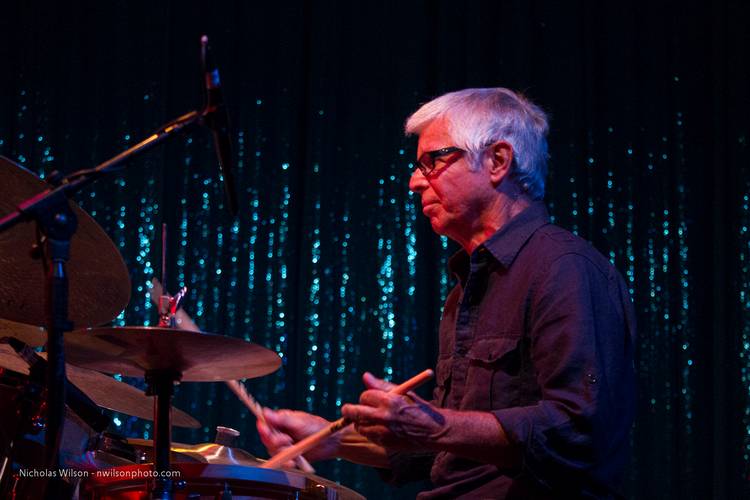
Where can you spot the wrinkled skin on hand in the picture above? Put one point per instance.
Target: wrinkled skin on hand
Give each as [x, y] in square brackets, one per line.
[394, 421]
[286, 427]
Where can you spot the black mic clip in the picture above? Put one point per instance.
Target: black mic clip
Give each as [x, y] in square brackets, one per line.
[216, 118]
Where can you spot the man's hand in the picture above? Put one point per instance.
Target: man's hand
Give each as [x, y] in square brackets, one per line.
[394, 421]
[410, 423]
[286, 427]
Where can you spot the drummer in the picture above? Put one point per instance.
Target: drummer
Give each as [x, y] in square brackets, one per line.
[535, 393]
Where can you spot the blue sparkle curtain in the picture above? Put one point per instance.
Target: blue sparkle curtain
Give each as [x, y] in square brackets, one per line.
[330, 262]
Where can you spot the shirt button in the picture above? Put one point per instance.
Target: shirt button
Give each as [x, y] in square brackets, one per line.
[591, 378]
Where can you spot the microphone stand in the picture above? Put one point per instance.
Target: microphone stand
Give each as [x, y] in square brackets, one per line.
[57, 224]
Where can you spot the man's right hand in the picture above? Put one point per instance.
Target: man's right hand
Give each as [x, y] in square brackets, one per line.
[283, 428]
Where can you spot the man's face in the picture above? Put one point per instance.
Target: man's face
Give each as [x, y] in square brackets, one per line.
[454, 196]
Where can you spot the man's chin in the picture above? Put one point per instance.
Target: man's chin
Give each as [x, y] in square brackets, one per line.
[438, 226]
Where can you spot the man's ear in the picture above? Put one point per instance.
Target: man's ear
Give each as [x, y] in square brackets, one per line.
[501, 159]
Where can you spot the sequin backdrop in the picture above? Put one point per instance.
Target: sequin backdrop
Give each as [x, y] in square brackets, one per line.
[330, 262]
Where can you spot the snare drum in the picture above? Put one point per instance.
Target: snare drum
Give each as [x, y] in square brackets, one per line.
[210, 481]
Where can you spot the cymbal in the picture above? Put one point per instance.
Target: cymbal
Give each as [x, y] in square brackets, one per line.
[99, 280]
[212, 453]
[31, 335]
[207, 453]
[199, 357]
[121, 397]
[144, 449]
[103, 390]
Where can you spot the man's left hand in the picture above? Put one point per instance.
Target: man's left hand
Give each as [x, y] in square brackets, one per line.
[395, 421]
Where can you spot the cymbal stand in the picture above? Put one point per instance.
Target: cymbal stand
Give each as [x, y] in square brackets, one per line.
[57, 224]
[160, 383]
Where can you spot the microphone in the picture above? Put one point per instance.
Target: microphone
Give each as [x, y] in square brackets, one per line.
[216, 118]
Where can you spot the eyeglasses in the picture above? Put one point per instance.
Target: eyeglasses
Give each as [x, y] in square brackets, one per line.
[426, 162]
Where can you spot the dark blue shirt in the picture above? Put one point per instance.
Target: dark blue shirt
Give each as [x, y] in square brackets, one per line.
[539, 330]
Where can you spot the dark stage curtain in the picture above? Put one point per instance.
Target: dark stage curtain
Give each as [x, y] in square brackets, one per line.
[331, 263]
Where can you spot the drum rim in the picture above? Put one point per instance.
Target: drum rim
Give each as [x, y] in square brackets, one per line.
[222, 472]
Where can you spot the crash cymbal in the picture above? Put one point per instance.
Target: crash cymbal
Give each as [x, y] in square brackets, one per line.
[99, 280]
[199, 357]
[31, 335]
[103, 390]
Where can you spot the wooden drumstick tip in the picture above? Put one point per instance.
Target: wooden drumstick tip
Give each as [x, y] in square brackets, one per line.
[414, 382]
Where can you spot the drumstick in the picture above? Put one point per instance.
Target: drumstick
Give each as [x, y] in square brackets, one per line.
[240, 391]
[314, 439]
[256, 409]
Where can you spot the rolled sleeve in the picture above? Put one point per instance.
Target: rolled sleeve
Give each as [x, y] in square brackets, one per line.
[579, 343]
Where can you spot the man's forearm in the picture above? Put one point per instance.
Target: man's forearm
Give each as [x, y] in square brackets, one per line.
[477, 436]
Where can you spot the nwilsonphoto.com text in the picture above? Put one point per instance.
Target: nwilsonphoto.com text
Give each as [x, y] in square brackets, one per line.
[69, 473]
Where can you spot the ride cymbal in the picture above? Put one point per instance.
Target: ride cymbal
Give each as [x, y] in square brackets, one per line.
[99, 281]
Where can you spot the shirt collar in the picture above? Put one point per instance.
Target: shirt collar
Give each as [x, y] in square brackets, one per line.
[507, 241]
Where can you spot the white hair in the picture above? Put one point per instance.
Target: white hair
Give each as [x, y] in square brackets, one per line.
[479, 117]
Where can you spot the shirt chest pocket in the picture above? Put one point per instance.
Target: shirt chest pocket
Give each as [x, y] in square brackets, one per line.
[442, 381]
[493, 373]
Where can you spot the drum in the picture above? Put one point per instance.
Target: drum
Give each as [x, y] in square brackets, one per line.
[211, 481]
[22, 472]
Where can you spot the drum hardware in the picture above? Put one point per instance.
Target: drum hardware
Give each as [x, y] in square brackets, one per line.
[226, 436]
[159, 296]
[103, 390]
[56, 221]
[167, 305]
[114, 446]
[168, 308]
[160, 384]
[83, 267]
[163, 356]
[166, 356]
[77, 400]
[23, 199]
[24, 424]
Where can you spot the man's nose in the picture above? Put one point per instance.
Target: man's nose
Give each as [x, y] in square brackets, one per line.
[417, 181]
